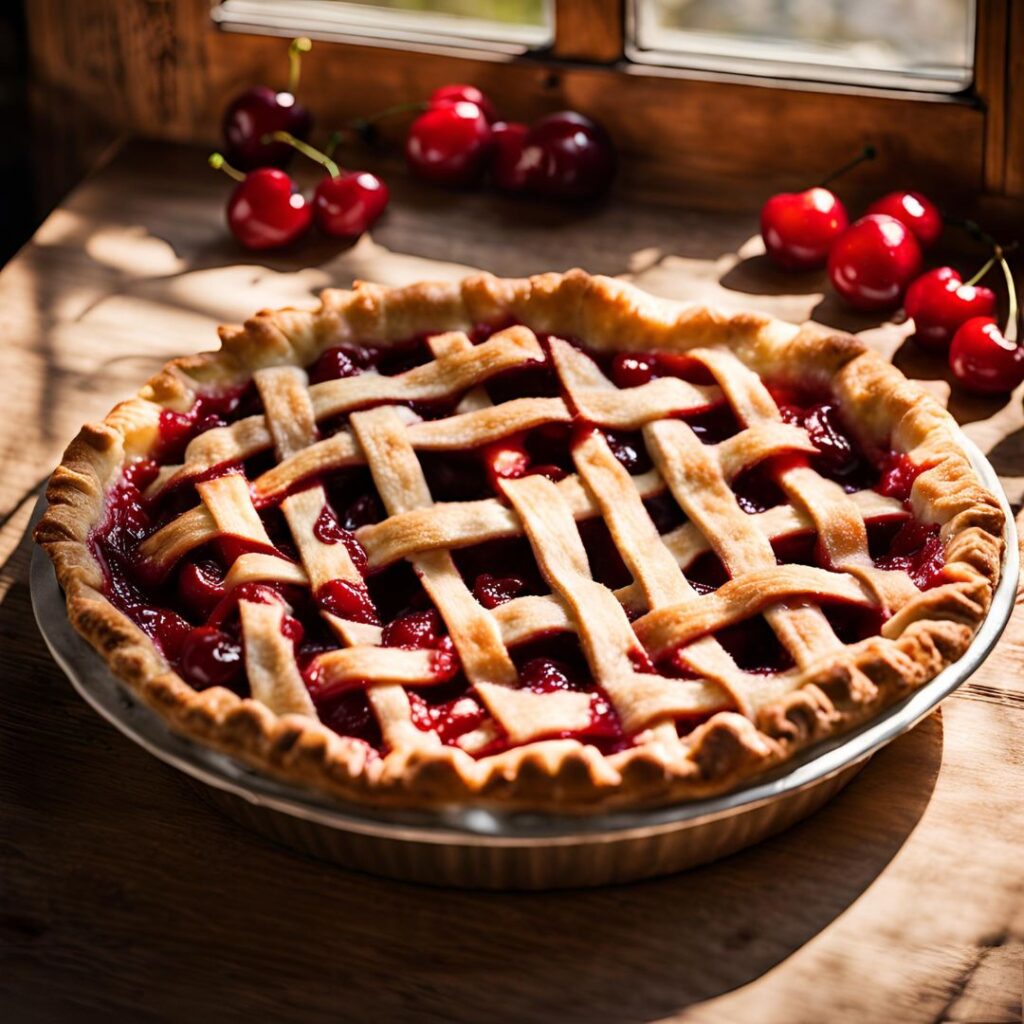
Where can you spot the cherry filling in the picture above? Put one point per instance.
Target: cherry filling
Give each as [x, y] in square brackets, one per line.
[193, 618]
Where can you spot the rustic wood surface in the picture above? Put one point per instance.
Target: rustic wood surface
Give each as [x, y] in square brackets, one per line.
[124, 897]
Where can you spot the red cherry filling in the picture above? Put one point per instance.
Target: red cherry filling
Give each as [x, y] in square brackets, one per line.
[328, 530]
[348, 601]
[195, 623]
[492, 591]
[209, 657]
[414, 630]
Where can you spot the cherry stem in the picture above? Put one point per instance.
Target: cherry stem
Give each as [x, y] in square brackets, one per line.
[1011, 289]
[218, 163]
[867, 153]
[332, 143]
[296, 48]
[980, 274]
[306, 150]
[398, 108]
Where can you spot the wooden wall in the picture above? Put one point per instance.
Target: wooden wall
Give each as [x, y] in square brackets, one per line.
[161, 68]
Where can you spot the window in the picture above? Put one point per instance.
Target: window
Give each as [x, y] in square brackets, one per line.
[511, 26]
[918, 44]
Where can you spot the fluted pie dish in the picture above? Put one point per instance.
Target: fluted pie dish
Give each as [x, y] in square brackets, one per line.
[546, 544]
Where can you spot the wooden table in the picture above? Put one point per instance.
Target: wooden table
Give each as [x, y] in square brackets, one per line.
[124, 897]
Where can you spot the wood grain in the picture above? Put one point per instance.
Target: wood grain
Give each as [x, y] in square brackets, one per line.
[124, 897]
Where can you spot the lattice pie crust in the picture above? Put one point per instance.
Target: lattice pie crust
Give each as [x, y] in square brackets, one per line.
[753, 722]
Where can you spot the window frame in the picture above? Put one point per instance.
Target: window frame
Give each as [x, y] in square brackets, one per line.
[699, 140]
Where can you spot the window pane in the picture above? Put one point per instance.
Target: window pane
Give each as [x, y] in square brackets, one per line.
[919, 44]
[512, 25]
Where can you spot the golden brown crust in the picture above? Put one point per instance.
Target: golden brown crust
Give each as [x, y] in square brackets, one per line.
[928, 633]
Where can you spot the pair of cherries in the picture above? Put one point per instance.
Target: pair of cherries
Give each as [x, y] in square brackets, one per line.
[459, 138]
[266, 210]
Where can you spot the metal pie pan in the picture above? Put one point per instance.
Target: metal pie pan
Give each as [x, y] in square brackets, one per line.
[478, 848]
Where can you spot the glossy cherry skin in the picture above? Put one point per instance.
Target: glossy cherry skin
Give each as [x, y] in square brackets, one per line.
[872, 262]
[568, 156]
[449, 145]
[257, 112]
[982, 360]
[939, 302]
[266, 212]
[914, 210]
[799, 228]
[507, 170]
[209, 657]
[458, 93]
[348, 205]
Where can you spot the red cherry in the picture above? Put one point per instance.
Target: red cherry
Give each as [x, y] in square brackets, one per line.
[201, 586]
[799, 228]
[507, 170]
[348, 601]
[544, 675]
[506, 459]
[492, 591]
[457, 93]
[630, 371]
[939, 302]
[210, 658]
[347, 205]
[568, 156]
[334, 364]
[873, 261]
[259, 111]
[414, 629]
[982, 359]
[449, 145]
[915, 211]
[266, 211]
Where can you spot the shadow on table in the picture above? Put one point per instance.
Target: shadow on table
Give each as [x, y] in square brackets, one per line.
[628, 953]
[165, 910]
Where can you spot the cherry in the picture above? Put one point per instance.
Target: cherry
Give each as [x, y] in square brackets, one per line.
[631, 371]
[507, 170]
[259, 111]
[348, 205]
[873, 261]
[492, 591]
[449, 145]
[939, 302]
[915, 211]
[265, 210]
[799, 228]
[209, 657]
[414, 629]
[201, 586]
[348, 601]
[568, 156]
[446, 95]
[345, 203]
[334, 364]
[982, 357]
[506, 459]
[167, 628]
[545, 675]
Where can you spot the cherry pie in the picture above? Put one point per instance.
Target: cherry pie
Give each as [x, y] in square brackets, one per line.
[544, 543]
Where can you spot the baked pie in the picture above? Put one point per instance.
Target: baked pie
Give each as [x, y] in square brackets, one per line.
[546, 543]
